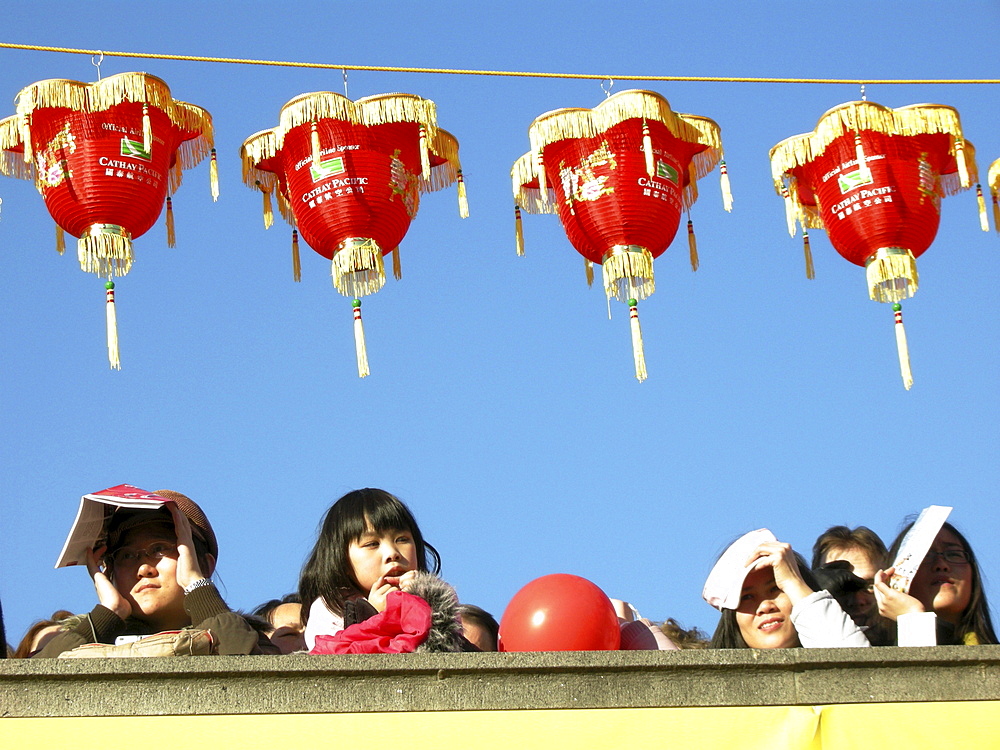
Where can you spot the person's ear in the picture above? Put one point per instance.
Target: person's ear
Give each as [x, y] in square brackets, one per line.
[209, 567]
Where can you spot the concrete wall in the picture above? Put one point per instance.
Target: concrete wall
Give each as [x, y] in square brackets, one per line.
[199, 686]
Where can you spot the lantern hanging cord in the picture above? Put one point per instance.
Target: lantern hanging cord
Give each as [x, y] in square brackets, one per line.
[96, 61]
[499, 73]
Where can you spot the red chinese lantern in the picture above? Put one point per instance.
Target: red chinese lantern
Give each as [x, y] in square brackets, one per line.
[619, 176]
[873, 177]
[104, 156]
[348, 175]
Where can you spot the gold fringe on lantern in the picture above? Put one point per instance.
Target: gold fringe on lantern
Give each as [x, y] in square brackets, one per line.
[984, 223]
[854, 117]
[106, 250]
[588, 272]
[425, 157]
[114, 358]
[296, 260]
[807, 251]
[357, 267]
[397, 267]
[523, 173]
[60, 240]
[892, 274]
[692, 246]
[902, 348]
[14, 164]
[992, 179]
[628, 273]
[372, 110]
[446, 171]
[638, 350]
[360, 348]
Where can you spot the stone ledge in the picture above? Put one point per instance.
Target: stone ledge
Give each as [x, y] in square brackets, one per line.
[463, 682]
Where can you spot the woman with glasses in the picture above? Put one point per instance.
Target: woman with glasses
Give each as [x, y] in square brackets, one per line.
[153, 574]
[947, 588]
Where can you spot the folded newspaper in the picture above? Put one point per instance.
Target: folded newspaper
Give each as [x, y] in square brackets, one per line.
[91, 524]
[916, 544]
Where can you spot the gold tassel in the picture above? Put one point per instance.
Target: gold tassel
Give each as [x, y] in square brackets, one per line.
[859, 152]
[25, 128]
[296, 262]
[113, 357]
[213, 175]
[171, 234]
[647, 150]
[638, 353]
[901, 347]
[147, 131]
[984, 223]
[810, 270]
[963, 168]
[268, 210]
[105, 250]
[996, 211]
[727, 191]
[519, 232]
[397, 268]
[359, 341]
[543, 190]
[314, 139]
[789, 211]
[692, 246]
[425, 157]
[892, 274]
[588, 270]
[463, 198]
[60, 240]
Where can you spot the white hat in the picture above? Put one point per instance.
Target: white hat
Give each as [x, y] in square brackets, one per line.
[725, 583]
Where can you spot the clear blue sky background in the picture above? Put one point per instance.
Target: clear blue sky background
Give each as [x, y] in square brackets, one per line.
[502, 404]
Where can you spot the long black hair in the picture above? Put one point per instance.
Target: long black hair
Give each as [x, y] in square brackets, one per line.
[328, 574]
[975, 617]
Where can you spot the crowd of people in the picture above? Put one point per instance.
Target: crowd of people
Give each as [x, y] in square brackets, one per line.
[371, 585]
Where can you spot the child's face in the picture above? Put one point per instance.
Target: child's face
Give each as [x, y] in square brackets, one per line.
[376, 555]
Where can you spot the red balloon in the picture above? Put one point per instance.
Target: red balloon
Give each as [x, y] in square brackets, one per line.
[560, 612]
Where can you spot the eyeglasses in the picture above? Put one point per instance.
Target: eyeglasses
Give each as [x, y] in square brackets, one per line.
[954, 556]
[126, 557]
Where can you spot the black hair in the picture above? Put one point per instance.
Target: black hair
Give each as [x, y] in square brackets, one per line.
[483, 619]
[328, 574]
[727, 633]
[266, 610]
[975, 619]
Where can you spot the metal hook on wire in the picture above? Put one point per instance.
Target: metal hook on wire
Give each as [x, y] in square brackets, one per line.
[611, 85]
[864, 96]
[345, 83]
[96, 61]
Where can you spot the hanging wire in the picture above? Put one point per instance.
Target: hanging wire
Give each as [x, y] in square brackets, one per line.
[474, 72]
[611, 85]
[96, 61]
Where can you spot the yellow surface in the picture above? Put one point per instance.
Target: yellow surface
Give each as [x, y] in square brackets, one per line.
[910, 725]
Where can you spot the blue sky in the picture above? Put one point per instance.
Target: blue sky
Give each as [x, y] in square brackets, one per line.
[502, 405]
